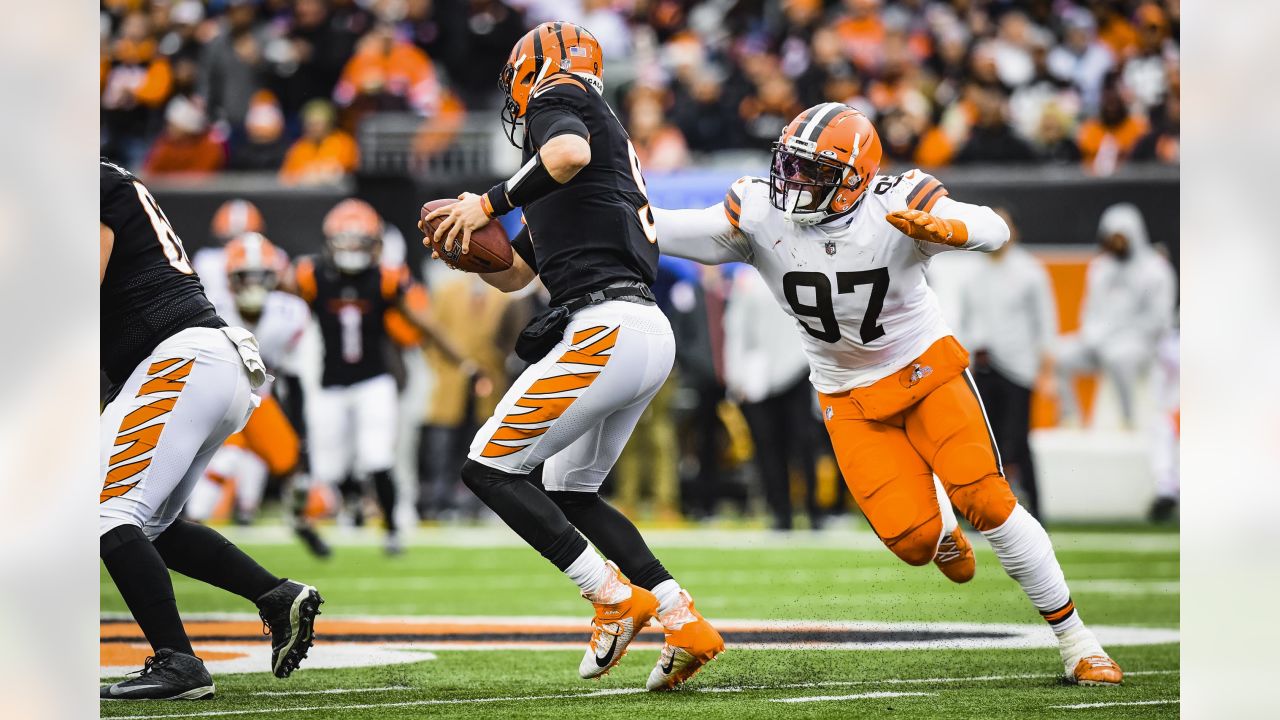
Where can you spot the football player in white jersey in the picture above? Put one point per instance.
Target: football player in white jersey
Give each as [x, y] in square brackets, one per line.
[232, 219]
[844, 251]
[268, 445]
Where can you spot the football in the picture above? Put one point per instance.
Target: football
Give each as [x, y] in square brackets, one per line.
[490, 249]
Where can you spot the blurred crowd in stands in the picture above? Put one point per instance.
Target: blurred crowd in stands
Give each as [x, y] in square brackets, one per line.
[282, 85]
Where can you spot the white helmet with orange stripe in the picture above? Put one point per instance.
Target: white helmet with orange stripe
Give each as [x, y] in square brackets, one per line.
[254, 265]
[823, 162]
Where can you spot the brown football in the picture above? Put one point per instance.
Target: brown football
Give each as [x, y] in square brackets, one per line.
[490, 249]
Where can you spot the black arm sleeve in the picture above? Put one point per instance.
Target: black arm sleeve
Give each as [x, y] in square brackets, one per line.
[523, 245]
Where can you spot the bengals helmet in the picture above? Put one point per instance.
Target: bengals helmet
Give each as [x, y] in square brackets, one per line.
[823, 162]
[353, 236]
[547, 49]
[253, 270]
[235, 217]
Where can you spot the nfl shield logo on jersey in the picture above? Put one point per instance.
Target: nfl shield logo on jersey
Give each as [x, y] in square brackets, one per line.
[831, 247]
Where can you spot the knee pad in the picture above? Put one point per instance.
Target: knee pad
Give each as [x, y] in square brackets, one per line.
[569, 500]
[918, 546]
[987, 503]
[119, 536]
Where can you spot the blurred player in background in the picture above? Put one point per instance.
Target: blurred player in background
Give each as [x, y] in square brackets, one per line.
[599, 355]
[1129, 298]
[232, 219]
[361, 307]
[844, 251]
[183, 382]
[1009, 319]
[269, 445]
[1168, 429]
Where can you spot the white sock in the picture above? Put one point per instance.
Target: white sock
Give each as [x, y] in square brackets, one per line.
[949, 521]
[589, 572]
[1026, 554]
[668, 594]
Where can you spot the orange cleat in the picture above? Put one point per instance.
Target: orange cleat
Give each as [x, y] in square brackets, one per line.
[622, 610]
[691, 643]
[955, 557]
[1097, 670]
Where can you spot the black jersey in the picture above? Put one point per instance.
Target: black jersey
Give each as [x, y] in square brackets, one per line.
[352, 310]
[595, 230]
[149, 292]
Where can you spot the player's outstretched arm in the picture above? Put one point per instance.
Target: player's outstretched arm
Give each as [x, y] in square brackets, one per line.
[704, 236]
[106, 241]
[950, 224]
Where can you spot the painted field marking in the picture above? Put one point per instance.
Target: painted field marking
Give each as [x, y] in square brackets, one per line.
[1087, 706]
[859, 696]
[908, 681]
[406, 703]
[331, 691]
[629, 691]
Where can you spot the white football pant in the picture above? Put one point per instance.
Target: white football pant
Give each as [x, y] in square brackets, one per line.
[175, 410]
[352, 429]
[575, 408]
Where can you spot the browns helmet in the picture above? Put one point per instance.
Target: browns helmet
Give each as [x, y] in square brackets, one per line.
[547, 49]
[235, 217]
[823, 162]
[253, 270]
[352, 236]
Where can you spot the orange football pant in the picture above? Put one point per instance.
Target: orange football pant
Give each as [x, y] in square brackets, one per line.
[270, 436]
[889, 466]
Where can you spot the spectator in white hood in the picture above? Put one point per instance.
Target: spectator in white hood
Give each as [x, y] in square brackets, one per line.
[1128, 305]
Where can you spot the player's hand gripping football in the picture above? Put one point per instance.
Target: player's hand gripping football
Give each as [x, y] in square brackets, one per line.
[930, 228]
[460, 220]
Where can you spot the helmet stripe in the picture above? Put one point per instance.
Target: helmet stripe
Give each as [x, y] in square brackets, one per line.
[560, 38]
[824, 115]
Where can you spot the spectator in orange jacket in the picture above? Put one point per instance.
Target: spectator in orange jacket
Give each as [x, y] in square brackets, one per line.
[386, 73]
[323, 153]
[186, 146]
[135, 82]
[1110, 137]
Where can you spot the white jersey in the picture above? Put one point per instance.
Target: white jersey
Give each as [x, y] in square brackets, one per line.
[210, 264]
[855, 286]
[284, 321]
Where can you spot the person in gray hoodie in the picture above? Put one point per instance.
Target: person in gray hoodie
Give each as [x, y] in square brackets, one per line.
[1129, 298]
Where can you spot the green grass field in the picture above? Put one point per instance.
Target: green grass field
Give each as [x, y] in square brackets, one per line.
[1124, 580]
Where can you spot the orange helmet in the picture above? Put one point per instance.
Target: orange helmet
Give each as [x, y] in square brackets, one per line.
[253, 270]
[234, 217]
[353, 235]
[547, 49]
[823, 162]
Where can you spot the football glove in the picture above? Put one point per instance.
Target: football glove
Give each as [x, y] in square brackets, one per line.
[930, 228]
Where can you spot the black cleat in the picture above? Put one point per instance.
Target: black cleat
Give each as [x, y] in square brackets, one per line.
[168, 675]
[315, 544]
[288, 615]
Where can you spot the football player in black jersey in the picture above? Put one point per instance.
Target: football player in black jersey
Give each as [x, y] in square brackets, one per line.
[360, 307]
[182, 382]
[599, 355]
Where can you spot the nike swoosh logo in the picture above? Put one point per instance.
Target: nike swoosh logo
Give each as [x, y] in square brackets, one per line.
[608, 657]
[117, 690]
[671, 662]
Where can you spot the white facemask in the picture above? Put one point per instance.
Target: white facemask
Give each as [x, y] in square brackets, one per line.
[352, 261]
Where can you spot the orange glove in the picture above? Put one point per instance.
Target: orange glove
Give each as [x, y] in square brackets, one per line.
[930, 228]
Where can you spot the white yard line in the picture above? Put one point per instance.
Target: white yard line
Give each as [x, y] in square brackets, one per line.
[636, 691]
[332, 691]
[1087, 706]
[859, 696]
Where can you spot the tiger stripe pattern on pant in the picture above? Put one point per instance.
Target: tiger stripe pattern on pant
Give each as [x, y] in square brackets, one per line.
[547, 398]
[140, 429]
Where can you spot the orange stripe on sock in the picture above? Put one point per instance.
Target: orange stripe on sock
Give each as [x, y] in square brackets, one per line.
[1058, 616]
[147, 413]
[561, 383]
